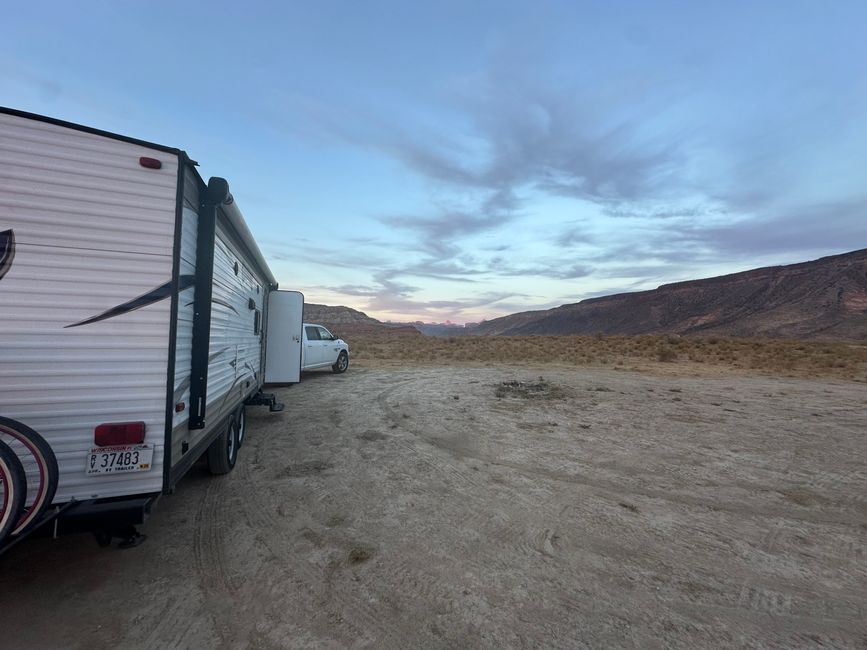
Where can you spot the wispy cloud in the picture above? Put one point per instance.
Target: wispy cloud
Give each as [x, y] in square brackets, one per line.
[664, 209]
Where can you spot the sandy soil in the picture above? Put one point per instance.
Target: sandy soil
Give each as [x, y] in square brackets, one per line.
[405, 508]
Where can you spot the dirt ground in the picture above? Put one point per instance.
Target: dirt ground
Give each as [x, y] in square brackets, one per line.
[481, 507]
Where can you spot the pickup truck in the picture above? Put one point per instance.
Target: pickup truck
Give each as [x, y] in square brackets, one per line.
[320, 349]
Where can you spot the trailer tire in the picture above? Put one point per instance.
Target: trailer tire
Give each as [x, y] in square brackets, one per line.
[23, 439]
[223, 452]
[241, 424]
[14, 490]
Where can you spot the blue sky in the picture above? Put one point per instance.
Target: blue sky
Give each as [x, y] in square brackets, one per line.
[462, 161]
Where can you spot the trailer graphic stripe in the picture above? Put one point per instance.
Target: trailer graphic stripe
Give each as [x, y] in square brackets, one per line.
[7, 251]
[155, 295]
[185, 384]
[219, 302]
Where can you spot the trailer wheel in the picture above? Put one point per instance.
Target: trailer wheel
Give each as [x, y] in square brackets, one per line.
[39, 463]
[223, 452]
[13, 489]
[241, 423]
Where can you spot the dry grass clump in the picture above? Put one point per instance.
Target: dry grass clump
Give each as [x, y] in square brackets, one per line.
[846, 360]
[666, 354]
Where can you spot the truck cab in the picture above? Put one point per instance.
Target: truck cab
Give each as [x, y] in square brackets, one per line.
[321, 349]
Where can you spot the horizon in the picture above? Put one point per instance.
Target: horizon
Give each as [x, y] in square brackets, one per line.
[460, 163]
[714, 277]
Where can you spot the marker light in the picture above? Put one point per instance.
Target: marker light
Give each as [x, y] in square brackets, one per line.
[113, 434]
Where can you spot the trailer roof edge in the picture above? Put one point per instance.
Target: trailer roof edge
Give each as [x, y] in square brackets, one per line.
[233, 213]
[89, 129]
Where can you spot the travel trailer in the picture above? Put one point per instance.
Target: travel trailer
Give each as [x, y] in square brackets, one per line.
[136, 311]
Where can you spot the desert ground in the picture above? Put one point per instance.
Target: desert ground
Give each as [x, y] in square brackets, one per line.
[489, 505]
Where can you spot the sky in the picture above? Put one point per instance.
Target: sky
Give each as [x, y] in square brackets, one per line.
[459, 161]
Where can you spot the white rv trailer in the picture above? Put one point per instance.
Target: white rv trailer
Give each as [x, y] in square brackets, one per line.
[133, 316]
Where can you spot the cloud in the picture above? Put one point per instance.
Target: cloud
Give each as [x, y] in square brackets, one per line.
[671, 195]
[611, 291]
[564, 141]
[572, 236]
[643, 211]
[436, 233]
[830, 226]
[554, 269]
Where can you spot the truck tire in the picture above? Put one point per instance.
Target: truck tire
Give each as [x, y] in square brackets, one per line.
[13, 490]
[341, 364]
[223, 452]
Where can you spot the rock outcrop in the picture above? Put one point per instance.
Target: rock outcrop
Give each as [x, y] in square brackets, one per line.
[824, 298]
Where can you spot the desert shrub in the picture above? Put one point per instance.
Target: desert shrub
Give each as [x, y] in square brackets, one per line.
[666, 354]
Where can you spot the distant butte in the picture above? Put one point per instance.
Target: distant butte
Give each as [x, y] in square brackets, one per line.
[825, 298]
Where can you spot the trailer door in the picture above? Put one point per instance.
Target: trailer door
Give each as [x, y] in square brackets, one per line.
[283, 342]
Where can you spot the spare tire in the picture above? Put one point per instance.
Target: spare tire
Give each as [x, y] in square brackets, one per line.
[40, 465]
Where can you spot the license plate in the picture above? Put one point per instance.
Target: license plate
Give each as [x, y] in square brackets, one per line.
[114, 460]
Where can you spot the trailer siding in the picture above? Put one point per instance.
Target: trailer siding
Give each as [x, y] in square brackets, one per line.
[93, 230]
[235, 349]
[235, 346]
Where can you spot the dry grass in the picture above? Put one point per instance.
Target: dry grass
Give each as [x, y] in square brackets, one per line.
[711, 355]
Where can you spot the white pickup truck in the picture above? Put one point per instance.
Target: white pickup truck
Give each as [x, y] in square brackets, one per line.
[320, 349]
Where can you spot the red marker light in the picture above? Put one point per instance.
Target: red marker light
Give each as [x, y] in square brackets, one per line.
[113, 434]
[150, 163]
[179, 407]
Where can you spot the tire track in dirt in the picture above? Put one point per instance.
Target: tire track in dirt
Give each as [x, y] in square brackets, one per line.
[518, 536]
[607, 487]
[601, 486]
[848, 489]
[409, 580]
[397, 421]
[208, 543]
[514, 536]
[481, 516]
[414, 581]
[360, 619]
[753, 598]
[177, 622]
[217, 586]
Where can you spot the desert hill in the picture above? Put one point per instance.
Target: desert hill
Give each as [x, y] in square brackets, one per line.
[345, 321]
[824, 298]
